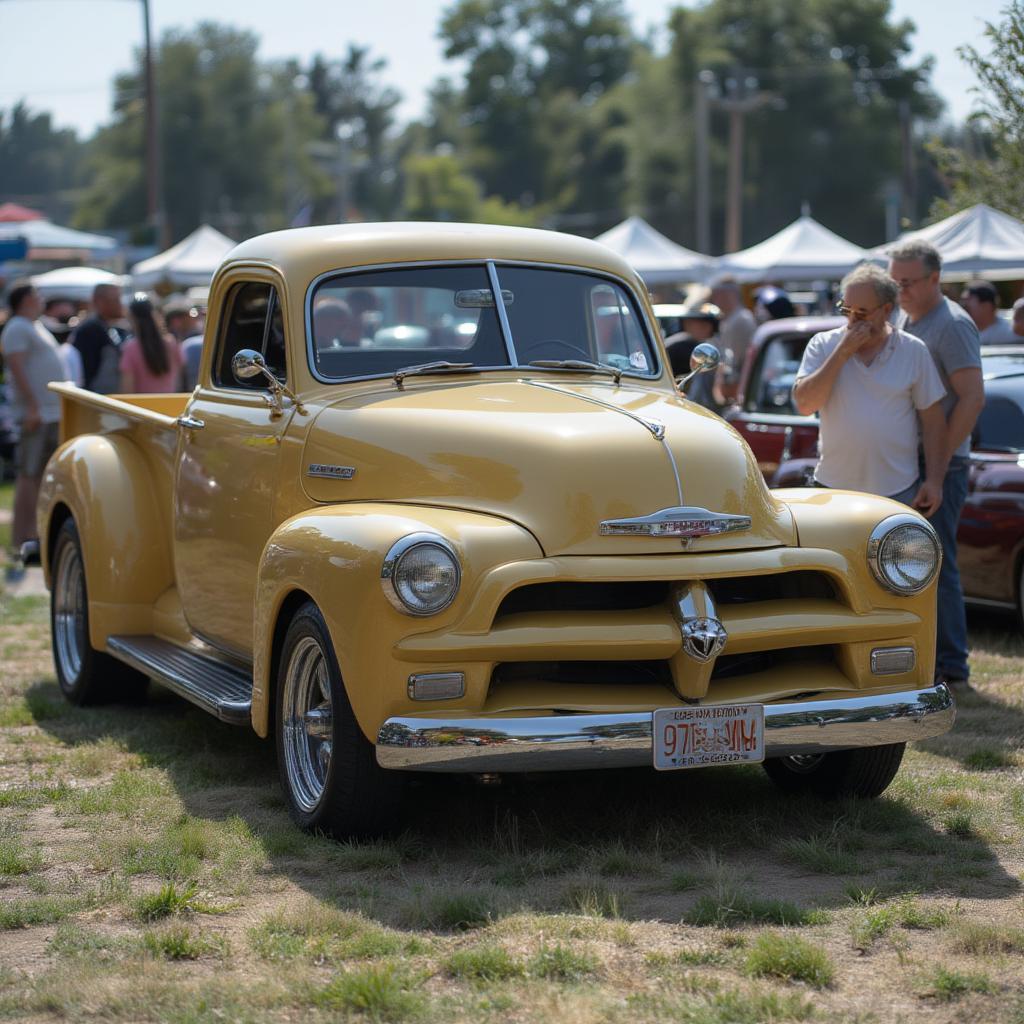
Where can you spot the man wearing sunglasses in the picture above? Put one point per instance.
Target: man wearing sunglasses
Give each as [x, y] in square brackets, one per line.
[952, 339]
[872, 383]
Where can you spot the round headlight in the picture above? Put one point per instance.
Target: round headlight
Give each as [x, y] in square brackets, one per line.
[904, 554]
[421, 574]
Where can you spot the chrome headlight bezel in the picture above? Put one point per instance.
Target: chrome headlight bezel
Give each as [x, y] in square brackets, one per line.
[882, 533]
[392, 564]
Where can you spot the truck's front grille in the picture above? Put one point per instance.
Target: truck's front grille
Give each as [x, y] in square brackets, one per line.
[729, 666]
[583, 597]
[592, 673]
[778, 586]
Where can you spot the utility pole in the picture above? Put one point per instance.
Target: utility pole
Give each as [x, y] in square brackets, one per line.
[742, 100]
[154, 185]
[908, 181]
[705, 87]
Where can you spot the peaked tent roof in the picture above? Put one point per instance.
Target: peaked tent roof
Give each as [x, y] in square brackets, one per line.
[657, 259]
[74, 282]
[191, 262]
[804, 251]
[978, 242]
[42, 235]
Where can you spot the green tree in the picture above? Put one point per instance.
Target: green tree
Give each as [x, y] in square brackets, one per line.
[358, 110]
[39, 164]
[234, 136]
[995, 174]
[837, 75]
[437, 187]
[535, 68]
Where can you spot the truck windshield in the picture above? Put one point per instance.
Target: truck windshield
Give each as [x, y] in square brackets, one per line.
[376, 322]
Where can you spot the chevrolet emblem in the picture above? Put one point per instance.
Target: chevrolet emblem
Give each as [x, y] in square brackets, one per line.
[683, 522]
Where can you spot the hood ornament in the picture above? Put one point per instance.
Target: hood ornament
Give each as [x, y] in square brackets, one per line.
[685, 522]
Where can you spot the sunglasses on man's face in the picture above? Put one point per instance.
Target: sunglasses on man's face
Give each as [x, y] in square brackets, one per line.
[860, 314]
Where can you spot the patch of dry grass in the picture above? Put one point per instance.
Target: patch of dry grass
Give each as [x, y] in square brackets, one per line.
[149, 872]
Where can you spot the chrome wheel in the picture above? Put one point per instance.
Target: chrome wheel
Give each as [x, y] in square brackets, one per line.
[308, 723]
[69, 630]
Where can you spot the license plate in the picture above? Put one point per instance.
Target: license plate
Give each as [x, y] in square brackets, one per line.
[698, 737]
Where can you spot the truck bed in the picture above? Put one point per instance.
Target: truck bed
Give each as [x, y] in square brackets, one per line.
[86, 412]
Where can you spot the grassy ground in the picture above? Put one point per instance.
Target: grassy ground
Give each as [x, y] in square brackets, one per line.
[149, 872]
[6, 503]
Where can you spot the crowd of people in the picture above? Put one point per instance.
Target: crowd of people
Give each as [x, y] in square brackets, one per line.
[105, 348]
[898, 388]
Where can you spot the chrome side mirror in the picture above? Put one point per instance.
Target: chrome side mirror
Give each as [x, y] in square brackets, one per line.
[704, 357]
[248, 363]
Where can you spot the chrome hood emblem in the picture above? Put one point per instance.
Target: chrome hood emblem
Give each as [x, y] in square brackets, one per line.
[703, 638]
[676, 522]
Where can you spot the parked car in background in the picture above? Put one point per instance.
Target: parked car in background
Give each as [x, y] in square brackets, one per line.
[991, 534]
[764, 412]
[670, 317]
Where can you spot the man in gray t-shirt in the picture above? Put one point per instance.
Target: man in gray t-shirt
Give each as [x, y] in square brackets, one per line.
[32, 358]
[952, 340]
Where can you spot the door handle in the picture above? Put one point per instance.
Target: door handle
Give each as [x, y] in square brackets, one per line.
[190, 422]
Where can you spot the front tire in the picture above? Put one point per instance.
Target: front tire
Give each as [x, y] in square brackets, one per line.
[85, 675]
[328, 768]
[864, 772]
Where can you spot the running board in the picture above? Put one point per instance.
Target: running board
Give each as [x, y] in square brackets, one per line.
[216, 686]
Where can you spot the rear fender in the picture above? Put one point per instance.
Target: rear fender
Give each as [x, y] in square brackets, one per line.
[334, 555]
[107, 484]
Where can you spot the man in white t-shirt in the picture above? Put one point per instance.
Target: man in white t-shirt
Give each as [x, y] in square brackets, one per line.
[872, 385]
[32, 357]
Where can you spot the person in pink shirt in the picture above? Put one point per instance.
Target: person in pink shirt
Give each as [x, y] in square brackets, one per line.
[150, 358]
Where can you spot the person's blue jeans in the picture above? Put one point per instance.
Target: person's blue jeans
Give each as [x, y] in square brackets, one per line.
[951, 652]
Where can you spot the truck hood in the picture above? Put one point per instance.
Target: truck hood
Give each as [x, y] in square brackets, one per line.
[557, 457]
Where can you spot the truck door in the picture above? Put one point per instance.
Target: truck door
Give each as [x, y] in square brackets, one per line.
[228, 451]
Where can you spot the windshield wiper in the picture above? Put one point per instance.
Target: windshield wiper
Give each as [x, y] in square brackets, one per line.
[441, 366]
[577, 364]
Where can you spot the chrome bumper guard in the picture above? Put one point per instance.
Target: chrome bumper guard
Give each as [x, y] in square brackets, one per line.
[565, 742]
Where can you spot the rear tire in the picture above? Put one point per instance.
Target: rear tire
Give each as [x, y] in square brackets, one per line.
[864, 772]
[85, 675]
[328, 768]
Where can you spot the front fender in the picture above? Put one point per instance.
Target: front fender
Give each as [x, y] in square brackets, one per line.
[108, 485]
[842, 521]
[334, 555]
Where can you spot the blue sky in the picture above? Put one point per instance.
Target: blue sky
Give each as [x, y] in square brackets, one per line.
[62, 55]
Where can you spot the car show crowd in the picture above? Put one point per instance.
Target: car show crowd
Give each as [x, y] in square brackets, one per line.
[896, 384]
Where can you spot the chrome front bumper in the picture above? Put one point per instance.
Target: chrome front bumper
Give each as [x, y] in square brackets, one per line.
[560, 742]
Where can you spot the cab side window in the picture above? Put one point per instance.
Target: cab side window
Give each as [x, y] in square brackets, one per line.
[253, 320]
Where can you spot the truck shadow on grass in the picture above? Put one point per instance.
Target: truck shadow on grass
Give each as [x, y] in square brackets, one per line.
[717, 846]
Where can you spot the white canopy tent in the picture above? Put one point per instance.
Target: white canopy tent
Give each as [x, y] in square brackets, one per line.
[976, 242]
[657, 259]
[48, 240]
[804, 251]
[76, 283]
[191, 262]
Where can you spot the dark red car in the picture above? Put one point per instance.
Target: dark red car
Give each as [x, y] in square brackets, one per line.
[991, 534]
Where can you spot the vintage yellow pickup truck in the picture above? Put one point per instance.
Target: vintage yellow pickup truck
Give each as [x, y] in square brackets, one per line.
[437, 504]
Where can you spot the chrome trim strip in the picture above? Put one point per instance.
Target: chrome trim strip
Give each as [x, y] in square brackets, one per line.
[706, 523]
[564, 742]
[506, 327]
[656, 429]
[675, 468]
